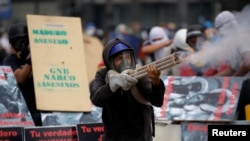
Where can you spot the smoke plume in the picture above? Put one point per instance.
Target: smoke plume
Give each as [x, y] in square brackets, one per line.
[231, 45]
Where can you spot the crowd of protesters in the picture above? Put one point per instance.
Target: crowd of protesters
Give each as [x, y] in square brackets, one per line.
[193, 41]
[198, 45]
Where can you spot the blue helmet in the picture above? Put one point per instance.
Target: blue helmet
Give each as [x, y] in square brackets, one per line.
[112, 49]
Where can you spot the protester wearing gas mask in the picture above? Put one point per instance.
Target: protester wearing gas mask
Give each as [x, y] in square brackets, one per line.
[195, 36]
[196, 39]
[126, 101]
[20, 62]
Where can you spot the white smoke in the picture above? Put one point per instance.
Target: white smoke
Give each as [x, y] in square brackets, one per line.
[235, 41]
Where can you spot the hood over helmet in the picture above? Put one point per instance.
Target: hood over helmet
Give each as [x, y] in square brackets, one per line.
[114, 47]
[223, 18]
[157, 32]
[224, 22]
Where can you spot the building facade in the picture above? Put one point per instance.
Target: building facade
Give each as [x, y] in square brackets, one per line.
[106, 14]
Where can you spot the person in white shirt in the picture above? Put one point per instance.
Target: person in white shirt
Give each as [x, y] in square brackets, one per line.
[157, 46]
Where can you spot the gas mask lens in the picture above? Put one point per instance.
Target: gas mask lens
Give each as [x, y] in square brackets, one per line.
[199, 42]
[123, 61]
[196, 42]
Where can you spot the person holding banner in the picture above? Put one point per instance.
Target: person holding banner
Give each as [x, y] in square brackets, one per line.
[20, 62]
[126, 101]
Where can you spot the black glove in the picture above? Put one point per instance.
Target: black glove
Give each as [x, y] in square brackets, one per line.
[28, 59]
[24, 53]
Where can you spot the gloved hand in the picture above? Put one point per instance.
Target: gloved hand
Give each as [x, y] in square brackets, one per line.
[123, 80]
[24, 55]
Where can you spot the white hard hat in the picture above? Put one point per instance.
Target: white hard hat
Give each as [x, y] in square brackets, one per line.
[179, 40]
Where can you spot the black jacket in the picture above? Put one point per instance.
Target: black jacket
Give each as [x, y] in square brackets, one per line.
[124, 118]
[26, 88]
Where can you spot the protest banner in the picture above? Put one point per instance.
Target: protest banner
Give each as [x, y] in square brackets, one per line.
[50, 133]
[11, 133]
[13, 108]
[90, 132]
[58, 63]
[200, 99]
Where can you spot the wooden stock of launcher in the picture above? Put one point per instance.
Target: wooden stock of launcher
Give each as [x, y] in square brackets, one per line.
[161, 64]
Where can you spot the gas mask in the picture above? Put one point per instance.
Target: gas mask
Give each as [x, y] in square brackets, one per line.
[199, 42]
[123, 61]
[196, 42]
